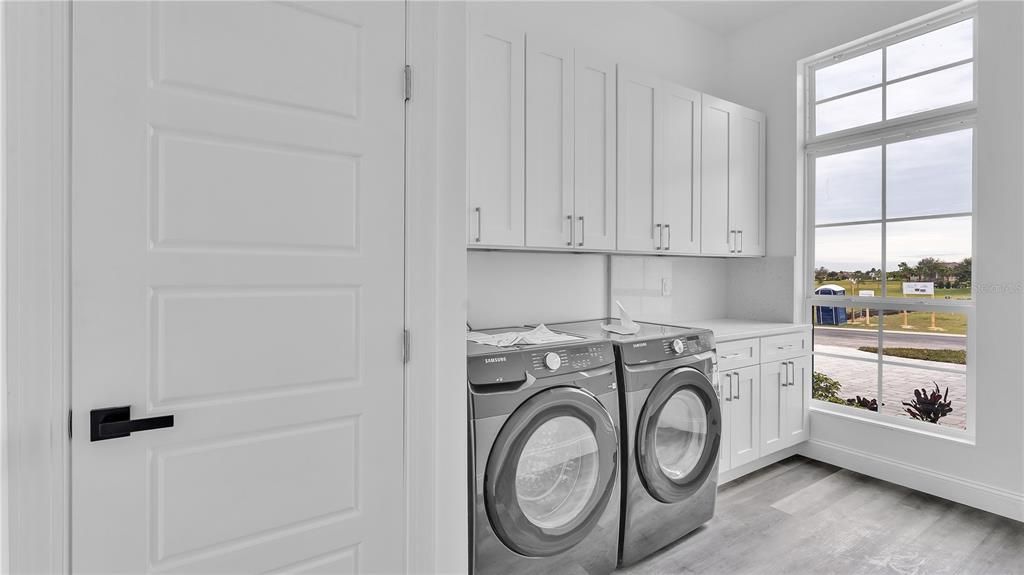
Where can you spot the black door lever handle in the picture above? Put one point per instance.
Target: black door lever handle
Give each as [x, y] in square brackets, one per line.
[113, 422]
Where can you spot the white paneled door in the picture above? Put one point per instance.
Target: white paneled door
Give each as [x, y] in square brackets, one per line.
[237, 262]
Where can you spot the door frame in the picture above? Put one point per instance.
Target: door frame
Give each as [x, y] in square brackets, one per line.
[35, 153]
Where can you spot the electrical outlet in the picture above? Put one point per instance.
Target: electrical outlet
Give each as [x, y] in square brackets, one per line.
[666, 286]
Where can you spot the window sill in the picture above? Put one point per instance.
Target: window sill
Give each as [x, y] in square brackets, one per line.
[965, 437]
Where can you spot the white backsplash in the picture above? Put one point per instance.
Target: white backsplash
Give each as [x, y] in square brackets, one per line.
[516, 288]
[697, 287]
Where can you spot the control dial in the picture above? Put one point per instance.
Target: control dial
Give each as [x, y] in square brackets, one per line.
[552, 360]
[678, 346]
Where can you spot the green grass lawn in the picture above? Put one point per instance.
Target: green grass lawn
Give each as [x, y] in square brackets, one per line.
[957, 356]
[915, 321]
[895, 289]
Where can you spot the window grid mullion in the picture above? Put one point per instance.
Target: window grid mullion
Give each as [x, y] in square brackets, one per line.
[885, 226]
[885, 82]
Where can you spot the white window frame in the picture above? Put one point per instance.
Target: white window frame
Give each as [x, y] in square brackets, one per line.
[922, 124]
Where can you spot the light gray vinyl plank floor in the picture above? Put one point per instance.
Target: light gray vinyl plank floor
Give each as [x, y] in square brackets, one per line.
[800, 516]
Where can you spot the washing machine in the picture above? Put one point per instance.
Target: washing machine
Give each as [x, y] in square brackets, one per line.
[671, 431]
[544, 458]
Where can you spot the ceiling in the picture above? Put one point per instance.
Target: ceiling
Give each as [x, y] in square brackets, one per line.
[727, 16]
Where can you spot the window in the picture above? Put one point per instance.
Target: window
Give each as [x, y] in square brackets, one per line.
[890, 193]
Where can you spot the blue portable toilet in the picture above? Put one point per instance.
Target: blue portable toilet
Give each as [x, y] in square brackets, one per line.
[830, 315]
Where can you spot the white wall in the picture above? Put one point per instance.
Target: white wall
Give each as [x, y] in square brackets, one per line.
[516, 288]
[762, 74]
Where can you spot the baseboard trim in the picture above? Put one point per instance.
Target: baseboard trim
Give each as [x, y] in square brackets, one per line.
[972, 493]
[737, 472]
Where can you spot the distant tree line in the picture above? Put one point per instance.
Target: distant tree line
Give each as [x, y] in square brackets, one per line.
[945, 274]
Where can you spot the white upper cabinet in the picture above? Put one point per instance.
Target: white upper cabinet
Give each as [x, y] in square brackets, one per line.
[594, 152]
[568, 151]
[496, 136]
[659, 167]
[732, 179]
[677, 183]
[637, 138]
[549, 173]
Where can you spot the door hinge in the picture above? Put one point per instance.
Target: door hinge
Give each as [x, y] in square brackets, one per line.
[405, 346]
[408, 82]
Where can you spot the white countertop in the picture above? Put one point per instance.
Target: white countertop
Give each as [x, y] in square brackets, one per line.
[728, 329]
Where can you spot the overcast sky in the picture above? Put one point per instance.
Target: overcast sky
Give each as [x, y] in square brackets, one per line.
[925, 177]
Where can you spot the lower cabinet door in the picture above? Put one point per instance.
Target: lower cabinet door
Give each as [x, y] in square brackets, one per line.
[745, 429]
[774, 390]
[796, 427]
[725, 399]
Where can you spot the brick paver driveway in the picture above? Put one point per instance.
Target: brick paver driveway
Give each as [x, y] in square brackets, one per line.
[898, 381]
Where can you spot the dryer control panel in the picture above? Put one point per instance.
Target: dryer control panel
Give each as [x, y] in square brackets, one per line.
[660, 349]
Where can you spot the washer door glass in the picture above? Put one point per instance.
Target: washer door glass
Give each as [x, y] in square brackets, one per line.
[551, 471]
[681, 433]
[557, 472]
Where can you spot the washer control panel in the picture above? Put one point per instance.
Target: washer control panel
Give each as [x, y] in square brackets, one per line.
[570, 358]
[544, 361]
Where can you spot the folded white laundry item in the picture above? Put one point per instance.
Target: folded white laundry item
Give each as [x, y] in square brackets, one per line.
[539, 334]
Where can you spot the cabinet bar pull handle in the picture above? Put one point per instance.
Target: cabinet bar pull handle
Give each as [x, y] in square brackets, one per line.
[583, 232]
[572, 229]
[669, 228]
[728, 396]
[732, 241]
[741, 241]
[737, 374]
[661, 236]
[479, 224]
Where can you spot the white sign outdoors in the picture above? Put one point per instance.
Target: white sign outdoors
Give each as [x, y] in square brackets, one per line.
[866, 293]
[918, 288]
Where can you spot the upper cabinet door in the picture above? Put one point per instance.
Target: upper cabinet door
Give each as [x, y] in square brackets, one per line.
[678, 179]
[549, 209]
[637, 137]
[594, 152]
[716, 235]
[746, 180]
[496, 140]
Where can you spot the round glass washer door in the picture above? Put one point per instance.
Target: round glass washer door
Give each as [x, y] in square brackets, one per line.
[557, 472]
[551, 471]
[678, 435]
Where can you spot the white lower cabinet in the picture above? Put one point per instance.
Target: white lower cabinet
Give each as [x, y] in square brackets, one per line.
[764, 405]
[741, 398]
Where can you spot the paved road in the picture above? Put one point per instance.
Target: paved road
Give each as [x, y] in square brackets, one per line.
[854, 338]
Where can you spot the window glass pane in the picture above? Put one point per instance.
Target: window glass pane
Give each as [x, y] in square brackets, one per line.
[936, 90]
[936, 251]
[943, 46]
[842, 381]
[848, 112]
[899, 382]
[848, 187]
[845, 252]
[930, 176]
[849, 75]
[843, 331]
